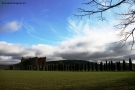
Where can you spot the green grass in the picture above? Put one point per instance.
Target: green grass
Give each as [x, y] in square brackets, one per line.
[55, 80]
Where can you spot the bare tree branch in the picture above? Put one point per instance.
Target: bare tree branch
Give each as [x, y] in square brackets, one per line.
[126, 19]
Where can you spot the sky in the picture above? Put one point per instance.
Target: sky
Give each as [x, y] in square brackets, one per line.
[49, 28]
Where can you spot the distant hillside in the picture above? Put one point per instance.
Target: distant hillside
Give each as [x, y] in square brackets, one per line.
[68, 62]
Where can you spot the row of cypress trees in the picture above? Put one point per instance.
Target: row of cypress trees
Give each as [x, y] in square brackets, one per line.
[91, 66]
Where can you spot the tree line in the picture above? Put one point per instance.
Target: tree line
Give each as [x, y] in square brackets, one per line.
[92, 66]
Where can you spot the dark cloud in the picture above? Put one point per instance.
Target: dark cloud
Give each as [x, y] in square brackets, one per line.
[110, 53]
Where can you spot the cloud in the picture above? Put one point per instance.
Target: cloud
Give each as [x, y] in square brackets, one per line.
[11, 26]
[11, 53]
[7, 60]
[87, 43]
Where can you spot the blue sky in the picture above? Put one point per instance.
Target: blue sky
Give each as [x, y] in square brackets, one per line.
[49, 28]
[42, 21]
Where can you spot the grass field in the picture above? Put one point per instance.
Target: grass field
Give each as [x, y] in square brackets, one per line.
[56, 80]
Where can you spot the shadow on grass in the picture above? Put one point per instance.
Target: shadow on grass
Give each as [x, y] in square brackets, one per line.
[121, 84]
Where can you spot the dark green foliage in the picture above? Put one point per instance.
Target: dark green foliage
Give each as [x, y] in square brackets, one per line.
[88, 66]
[58, 67]
[109, 66]
[114, 67]
[106, 66]
[85, 67]
[124, 65]
[92, 66]
[64, 67]
[52, 67]
[73, 67]
[118, 66]
[101, 66]
[70, 67]
[130, 64]
[76, 67]
[55, 67]
[48, 67]
[11, 67]
[96, 66]
[81, 67]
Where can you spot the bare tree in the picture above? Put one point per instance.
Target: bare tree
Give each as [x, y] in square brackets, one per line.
[126, 19]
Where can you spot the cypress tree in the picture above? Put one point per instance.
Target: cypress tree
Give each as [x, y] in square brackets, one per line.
[92, 67]
[114, 66]
[106, 66]
[85, 67]
[59, 67]
[101, 66]
[130, 64]
[88, 66]
[56, 67]
[109, 66]
[117, 66]
[73, 67]
[96, 66]
[49, 67]
[78, 68]
[52, 67]
[124, 65]
[64, 67]
[81, 67]
[70, 67]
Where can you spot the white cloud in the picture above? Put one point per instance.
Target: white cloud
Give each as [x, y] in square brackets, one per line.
[7, 60]
[15, 50]
[12, 53]
[11, 26]
[99, 35]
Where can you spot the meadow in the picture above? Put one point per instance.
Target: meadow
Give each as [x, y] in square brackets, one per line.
[64, 80]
